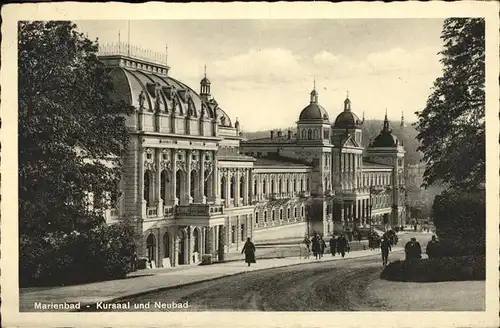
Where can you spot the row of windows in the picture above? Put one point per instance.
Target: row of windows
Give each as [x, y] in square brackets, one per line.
[314, 134]
[281, 213]
[282, 188]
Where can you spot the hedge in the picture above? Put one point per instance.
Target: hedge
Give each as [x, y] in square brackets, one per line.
[59, 258]
[437, 269]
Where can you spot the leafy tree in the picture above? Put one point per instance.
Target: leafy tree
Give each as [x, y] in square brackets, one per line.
[451, 127]
[71, 132]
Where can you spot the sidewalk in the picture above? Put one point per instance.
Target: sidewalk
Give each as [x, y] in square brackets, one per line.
[155, 279]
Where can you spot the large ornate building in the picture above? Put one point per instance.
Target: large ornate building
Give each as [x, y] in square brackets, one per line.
[194, 186]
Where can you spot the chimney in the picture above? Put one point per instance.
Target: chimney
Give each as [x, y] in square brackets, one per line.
[272, 134]
[279, 133]
[289, 134]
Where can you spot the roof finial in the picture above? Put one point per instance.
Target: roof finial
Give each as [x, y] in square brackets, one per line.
[347, 94]
[386, 122]
[314, 83]
[205, 70]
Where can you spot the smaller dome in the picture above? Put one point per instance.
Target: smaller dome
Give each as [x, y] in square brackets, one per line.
[313, 111]
[347, 120]
[385, 139]
[205, 81]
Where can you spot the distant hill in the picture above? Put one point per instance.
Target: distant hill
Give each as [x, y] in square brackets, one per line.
[371, 129]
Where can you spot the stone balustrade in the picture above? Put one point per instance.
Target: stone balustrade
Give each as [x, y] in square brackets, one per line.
[198, 210]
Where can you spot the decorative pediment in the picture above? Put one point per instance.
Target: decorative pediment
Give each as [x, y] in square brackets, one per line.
[349, 142]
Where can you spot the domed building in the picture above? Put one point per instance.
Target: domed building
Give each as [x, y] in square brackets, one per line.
[196, 189]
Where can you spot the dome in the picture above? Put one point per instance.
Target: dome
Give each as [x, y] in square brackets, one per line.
[347, 120]
[151, 91]
[385, 139]
[313, 111]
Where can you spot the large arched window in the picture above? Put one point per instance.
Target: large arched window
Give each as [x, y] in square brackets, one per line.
[163, 181]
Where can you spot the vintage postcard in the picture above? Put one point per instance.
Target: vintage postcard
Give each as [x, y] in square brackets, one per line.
[242, 165]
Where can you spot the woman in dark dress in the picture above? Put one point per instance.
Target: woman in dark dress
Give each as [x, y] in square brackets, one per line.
[249, 250]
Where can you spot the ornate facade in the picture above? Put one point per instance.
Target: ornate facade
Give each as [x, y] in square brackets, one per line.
[194, 186]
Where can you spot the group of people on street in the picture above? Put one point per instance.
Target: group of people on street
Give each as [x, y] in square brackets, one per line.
[338, 244]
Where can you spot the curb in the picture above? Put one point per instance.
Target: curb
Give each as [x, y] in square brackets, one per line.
[160, 289]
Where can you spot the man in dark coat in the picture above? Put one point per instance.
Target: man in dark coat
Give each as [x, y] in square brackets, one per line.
[249, 250]
[413, 250]
[342, 245]
[385, 247]
[433, 248]
[316, 246]
[333, 245]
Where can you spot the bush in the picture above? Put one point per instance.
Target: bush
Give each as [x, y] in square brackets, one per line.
[460, 220]
[101, 253]
[439, 269]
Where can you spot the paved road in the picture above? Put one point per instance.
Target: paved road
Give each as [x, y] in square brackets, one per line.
[327, 286]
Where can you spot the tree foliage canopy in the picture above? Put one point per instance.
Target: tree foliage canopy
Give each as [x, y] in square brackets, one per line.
[71, 133]
[451, 128]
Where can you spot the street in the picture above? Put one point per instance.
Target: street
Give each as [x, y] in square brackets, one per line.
[347, 285]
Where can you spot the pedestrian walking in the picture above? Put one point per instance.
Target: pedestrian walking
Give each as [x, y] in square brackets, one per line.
[433, 249]
[133, 262]
[316, 246]
[249, 250]
[385, 248]
[333, 245]
[342, 245]
[323, 246]
[307, 242]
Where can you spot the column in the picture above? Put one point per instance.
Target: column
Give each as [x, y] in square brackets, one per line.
[228, 186]
[201, 190]
[190, 241]
[173, 178]
[209, 241]
[142, 201]
[187, 196]
[247, 188]
[237, 186]
[215, 179]
[238, 232]
[158, 184]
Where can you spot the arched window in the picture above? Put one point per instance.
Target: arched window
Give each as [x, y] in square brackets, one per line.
[303, 134]
[315, 134]
[287, 182]
[233, 187]
[223, 187]
[255, 187]
[280, 186]
[294, 212]
[242, 185]
[288, 213]
[309, 134]
[301, 184]
[294, 185]
[272, 187]
[265, 216]
[163, 181]
[281, 214]
[264, 186]
[302, 211]
[308, 187]
[257, 217]
[147, 188]
[273, 215]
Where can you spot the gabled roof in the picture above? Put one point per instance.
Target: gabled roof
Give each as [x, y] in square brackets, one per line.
[280, 161]
[349, 142]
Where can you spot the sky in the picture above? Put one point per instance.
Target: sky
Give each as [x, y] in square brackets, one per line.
[262, 71]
